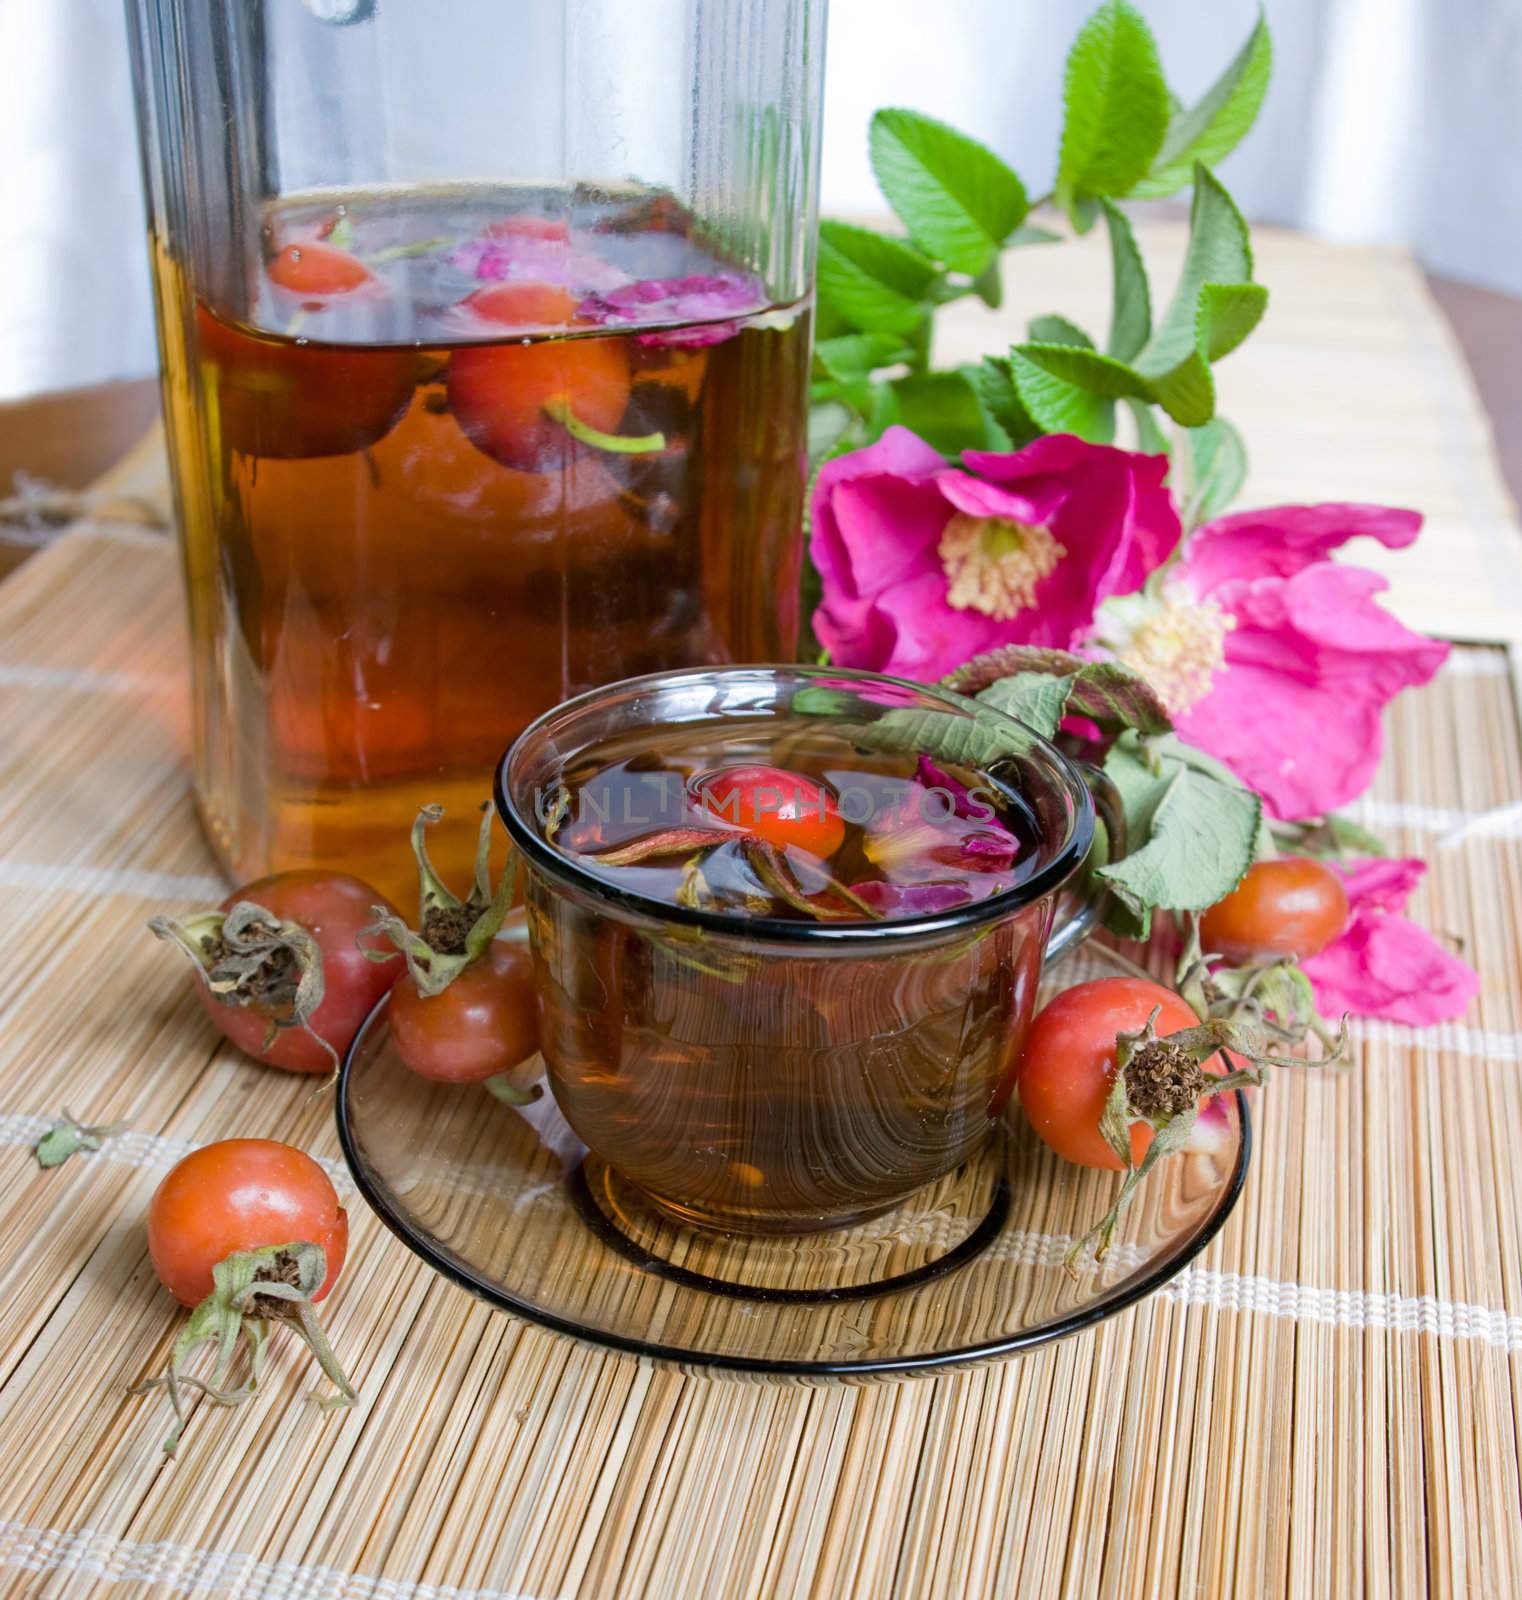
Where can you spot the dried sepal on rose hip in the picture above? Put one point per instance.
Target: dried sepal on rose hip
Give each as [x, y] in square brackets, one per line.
[279, 969]
[247, 957]
[68, 1137]
[465, 1010]
[219, 1236]
[1249, 1018]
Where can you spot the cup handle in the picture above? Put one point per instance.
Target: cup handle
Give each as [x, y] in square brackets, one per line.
[1107, 802]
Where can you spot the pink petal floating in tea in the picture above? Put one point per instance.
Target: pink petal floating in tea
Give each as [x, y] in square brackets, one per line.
[916, 838]
[964, 801]
[698, 300]
[542, 260]
[911, 899]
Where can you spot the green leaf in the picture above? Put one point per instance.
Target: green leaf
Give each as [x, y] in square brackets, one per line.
[1131, 303]
[1116, 698]
[1218, 468]
[853, 355]
[1032, 698]
[1220, 252]
[989, 285]
[1082, 368]
[958, 200]
[996, 389]
[1104, 691]
[872, 282]
[1193, 827]
[946, 409]
[979, 740]
[1215, 306]
[1058, 330]
[1199, 844]
[1216, 124]
[1150, 438]
[1030, 233]
[1227, 314]
[1115, 109]
[1057, 405]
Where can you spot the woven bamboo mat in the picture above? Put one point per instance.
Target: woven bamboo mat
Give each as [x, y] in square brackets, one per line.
[1326, 1404]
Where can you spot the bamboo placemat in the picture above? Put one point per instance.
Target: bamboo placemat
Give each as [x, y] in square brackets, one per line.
[1326, 1404]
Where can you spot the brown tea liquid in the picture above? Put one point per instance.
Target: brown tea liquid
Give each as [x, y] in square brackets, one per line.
[765, 1084]
[377, 604]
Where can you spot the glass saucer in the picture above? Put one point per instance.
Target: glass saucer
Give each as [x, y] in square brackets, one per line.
[506, 1201]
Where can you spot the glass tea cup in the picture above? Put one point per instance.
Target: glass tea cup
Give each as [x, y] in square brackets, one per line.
[745, 1064]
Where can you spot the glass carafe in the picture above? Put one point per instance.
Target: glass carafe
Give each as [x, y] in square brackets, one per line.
[485, 340]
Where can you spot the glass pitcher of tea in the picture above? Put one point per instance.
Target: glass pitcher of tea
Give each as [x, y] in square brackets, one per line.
[485, 339]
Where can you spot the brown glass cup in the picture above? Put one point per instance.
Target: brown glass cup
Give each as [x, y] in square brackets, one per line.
[760, 1075]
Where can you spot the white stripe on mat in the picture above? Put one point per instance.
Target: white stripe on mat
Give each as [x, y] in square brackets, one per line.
[82, 680]
[181, 1569]
[47, 878]
[141, 1149]
[1345, 1308]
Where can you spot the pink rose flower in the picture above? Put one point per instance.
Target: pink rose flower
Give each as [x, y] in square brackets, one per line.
[1384, 965]
[925, 565]
[1272, 657]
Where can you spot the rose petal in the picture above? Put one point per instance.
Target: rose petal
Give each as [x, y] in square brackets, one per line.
[1281, 540]
[1311, 663]
[911, 899]
[1384, 965]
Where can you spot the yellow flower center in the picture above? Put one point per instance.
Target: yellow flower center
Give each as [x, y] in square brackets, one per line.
[994, 564]
[1178, 649]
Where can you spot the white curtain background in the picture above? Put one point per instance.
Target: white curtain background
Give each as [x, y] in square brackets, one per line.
[1388, 120]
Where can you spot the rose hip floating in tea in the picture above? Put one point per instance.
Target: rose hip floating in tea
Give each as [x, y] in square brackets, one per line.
[449, 449]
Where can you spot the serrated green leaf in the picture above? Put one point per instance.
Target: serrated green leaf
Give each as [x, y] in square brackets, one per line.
[958, 200]
[1103, 691]
[1218, 469]
[1131, 302]
[947, 411]
[1116, 699]
[996, 389]
[1219, 253]
[1033, 698]
[1219, 120]
[1150, 438]
[870, 282]
[853, 355]
[1198, 844]
[1227, 313]
[1115, 109]
[1058, 405]
[979, 740]
[1058, 330]
[1084, 368]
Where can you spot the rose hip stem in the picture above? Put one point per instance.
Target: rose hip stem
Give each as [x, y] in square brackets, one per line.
[559, 410]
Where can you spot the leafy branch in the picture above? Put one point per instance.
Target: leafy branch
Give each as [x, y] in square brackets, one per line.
[1125, 137]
